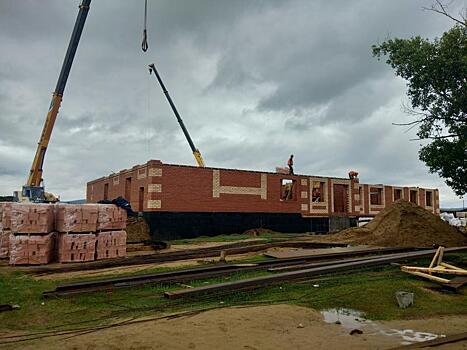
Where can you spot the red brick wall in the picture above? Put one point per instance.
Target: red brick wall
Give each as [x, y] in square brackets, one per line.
[191, 189]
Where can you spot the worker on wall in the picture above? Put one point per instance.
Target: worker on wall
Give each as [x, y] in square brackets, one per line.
[290, 164]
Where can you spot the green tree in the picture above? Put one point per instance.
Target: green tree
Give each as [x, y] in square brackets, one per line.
[436, 75]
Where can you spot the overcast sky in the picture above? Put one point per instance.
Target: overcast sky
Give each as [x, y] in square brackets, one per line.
[254, 82]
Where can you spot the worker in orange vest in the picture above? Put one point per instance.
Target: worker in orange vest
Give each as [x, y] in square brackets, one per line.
[290, 164]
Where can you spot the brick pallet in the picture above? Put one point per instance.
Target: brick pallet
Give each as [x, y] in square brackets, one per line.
[110, 244]
[32, 218]
[31, 250]
[27, 232]
[76, 217]
[111, 217]
[76, 247]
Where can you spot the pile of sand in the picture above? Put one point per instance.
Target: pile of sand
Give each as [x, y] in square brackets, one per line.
[403, 224]
[137, 230]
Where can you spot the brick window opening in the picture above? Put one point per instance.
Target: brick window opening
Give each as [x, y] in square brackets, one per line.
[397, 194]
[429, 199]
[376, 196]
[413, 196]
[128, 189]
[317, 192]
[288, 190]
[106, 191]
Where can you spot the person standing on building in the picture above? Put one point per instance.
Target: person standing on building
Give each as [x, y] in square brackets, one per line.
[290, 164]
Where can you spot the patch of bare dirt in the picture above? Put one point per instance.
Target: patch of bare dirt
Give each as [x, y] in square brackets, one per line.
[264, 327]
[403, 224]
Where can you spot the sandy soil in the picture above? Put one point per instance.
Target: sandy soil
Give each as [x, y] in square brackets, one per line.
[265, 327]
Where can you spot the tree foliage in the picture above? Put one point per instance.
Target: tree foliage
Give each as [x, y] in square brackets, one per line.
[436, 75]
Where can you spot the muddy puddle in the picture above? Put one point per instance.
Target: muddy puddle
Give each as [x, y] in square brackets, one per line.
[353, 319]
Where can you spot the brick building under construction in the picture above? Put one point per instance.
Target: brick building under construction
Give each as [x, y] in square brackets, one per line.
[187, 201]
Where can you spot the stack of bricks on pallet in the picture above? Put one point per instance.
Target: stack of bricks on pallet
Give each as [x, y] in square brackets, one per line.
[31, 249]
[76, 247]
[76, 217]
[32, 218]
[5, 223]
[32, 239]
[27, 237]
[110, 244]
[111, 217]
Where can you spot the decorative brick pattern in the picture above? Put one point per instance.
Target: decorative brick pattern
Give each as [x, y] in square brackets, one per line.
[374, 209]
[154, 204]
[217, 189]
[304, 194]
[304, 207]
[142, 173]
[214, 190]
[348, 183]
[319, 207]
[155, 172]
[116, 180]
[154, 188]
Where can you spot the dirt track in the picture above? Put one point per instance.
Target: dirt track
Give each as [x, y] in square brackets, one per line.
[266, 327]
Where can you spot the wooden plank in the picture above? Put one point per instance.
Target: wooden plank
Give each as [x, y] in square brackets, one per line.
[427, 276]
[434, 270]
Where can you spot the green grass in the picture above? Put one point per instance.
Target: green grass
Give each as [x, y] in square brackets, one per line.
[372, 292]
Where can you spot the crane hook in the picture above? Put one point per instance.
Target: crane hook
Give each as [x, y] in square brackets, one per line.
[144, 44]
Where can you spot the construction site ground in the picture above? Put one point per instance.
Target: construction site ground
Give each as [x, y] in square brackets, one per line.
[275, 317]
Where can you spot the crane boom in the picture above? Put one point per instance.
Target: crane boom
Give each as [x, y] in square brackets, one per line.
[196, 152]
[33, 190]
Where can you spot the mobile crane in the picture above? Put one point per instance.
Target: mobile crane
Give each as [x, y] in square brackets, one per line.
[196, 152]
[33, 191]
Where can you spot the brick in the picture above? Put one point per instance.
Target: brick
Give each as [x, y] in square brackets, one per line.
[5, 215]
[76, 247]
[32, 218]
[110, 244]
[76, 217]
[4, 243]
[111, 217]
[31, 249]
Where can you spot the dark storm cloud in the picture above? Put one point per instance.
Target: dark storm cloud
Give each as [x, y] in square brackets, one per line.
[253, 80]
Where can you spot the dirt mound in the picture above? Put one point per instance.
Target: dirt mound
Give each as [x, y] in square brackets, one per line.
[403, 224]
[137, 230]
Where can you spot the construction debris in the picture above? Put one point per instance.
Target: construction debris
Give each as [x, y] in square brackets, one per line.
[403, 224]
[437, 266]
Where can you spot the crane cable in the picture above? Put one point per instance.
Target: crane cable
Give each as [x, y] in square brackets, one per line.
[144, 44]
